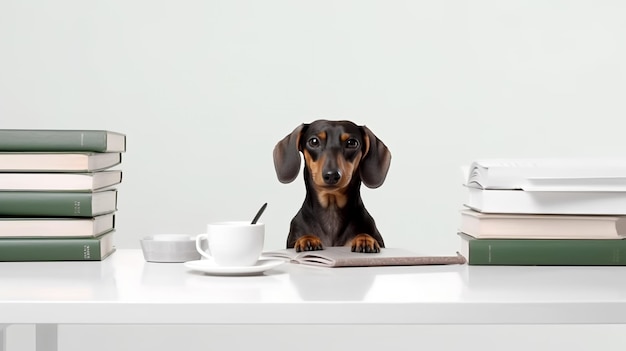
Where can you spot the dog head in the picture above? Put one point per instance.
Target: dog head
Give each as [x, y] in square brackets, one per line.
[334, 152]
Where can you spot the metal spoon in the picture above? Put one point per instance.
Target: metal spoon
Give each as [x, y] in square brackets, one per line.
[258, 214]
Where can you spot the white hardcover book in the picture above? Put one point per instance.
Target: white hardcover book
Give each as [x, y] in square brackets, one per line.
[540, 226]
[576, 184]
[56, 227]
[58, 161]
[59, 181]
[547, 202]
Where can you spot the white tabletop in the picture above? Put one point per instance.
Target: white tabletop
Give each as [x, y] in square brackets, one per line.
[124, 289]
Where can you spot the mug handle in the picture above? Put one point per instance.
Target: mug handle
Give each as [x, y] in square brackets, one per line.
[199, 248]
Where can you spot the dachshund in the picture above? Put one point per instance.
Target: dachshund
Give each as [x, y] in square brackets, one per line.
[338, 156]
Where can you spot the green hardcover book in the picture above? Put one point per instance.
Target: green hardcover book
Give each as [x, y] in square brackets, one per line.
[57, 204]
[544, 252]
[61, 140]
[57, 249]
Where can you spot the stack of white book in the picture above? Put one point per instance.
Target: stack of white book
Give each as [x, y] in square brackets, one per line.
[545, 212]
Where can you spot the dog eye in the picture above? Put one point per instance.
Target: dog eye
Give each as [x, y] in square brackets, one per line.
[314, 142]
[352, 143]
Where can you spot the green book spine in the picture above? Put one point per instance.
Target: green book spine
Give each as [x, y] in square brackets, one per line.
[57, 204]
[46, 204]
[545, 252]
[56, 249]
[55, 140]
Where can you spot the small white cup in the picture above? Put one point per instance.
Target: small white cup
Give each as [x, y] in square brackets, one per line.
[169, 248]
[234, 244]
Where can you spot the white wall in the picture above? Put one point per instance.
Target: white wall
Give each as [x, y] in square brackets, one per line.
[204, 89]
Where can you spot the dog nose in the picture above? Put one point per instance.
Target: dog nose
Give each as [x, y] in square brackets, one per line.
[332, 177]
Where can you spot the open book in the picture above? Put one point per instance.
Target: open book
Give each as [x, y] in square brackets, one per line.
[559, 174]
[343, 257]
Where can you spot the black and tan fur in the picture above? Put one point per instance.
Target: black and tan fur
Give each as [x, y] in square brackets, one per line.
[338, 157]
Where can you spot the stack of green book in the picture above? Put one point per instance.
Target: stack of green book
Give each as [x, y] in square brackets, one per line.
[58, 195]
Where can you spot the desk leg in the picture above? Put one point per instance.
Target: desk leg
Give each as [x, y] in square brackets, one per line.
[3, 336]
[46, 337]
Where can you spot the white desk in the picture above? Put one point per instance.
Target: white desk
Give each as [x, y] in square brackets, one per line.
[124, 289]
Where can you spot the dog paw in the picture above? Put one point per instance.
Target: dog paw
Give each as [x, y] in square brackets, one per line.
[365, 243]
[308, 243]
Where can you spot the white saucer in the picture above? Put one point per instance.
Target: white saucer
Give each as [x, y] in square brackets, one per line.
[208, 266]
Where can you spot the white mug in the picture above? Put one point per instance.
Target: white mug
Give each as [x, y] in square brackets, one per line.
[232, 243]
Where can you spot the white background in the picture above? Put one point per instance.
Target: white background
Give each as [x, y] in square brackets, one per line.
[204, 89]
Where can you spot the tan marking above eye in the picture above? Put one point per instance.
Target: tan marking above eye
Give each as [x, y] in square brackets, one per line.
[322, 135]
[344, 137]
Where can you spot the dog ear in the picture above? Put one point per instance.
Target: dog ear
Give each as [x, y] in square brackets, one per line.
[287, 156]
[376, 160]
